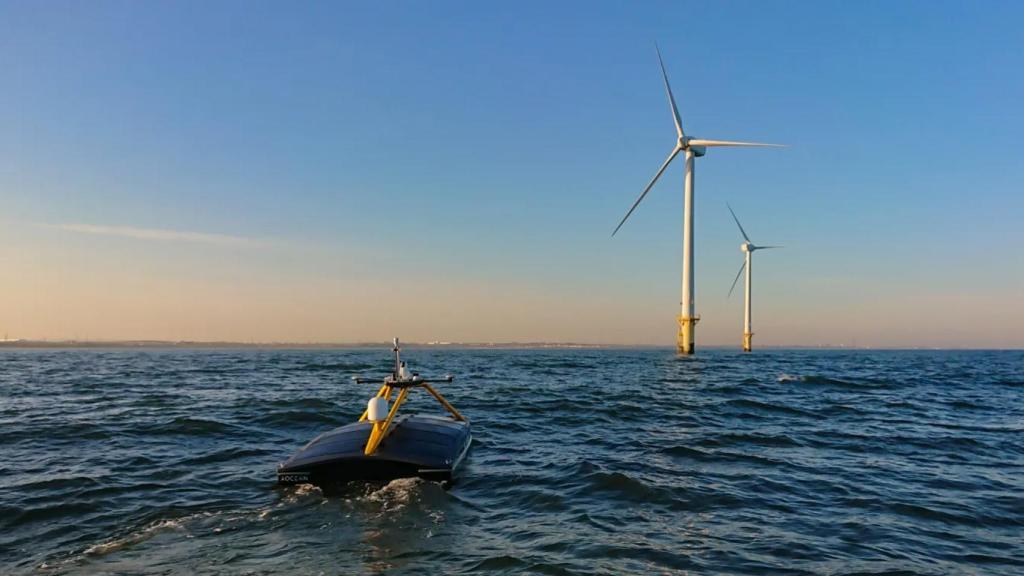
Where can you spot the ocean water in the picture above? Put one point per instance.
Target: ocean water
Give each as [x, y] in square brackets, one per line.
[584, 462]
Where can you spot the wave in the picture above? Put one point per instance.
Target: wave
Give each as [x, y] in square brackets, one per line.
[925, 513]
[767, 440]
[687, 452]
[116, 544]
[213, 370]
[818, 380]
[330, 417]
[964, 404]
[317, 404]
[346, 367]
[534, 365]
[191, 426]
[537, 498]
[223, 455]
[55, 510]
[504, 562]
[65, 483]
[768, 407]
[58, 431]
[622, 486]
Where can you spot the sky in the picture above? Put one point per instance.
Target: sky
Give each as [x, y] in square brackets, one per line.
[452, 171]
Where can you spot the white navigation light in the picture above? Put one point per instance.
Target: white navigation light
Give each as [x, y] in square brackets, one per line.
[377, 409]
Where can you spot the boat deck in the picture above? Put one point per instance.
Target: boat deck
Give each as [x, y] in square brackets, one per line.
[418, 445]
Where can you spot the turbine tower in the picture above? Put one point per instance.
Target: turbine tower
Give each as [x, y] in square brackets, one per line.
[748, 248]
[691, 148]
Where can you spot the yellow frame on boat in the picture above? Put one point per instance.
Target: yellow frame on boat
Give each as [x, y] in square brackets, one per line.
[380, 429]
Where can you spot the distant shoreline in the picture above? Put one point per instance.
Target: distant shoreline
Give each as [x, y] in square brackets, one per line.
[292, 345]
[190, 344]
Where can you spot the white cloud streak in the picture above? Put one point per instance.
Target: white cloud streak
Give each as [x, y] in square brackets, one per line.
[158, 234]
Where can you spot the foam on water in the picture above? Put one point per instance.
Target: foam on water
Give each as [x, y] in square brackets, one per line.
[394, 495]
[136, 537]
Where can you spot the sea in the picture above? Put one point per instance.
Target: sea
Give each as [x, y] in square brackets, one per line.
[584, 461]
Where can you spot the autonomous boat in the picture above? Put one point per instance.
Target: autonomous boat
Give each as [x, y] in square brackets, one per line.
[383, 445]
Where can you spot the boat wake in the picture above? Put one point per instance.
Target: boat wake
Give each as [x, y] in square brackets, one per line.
[146, 533]
[396, 494]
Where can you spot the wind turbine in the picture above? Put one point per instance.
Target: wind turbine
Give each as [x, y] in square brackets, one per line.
[748, 249]
[691, 148]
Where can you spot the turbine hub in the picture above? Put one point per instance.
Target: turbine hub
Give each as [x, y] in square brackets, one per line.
[684, 144]
[747, 247]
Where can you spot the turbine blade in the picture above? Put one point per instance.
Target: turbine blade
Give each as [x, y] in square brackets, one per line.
[714, 143]
[742, 231]
[737, 278]
[671, 99]
[648, 189]
[766, 247]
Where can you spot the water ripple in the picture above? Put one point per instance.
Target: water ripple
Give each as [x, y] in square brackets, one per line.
[584, 462]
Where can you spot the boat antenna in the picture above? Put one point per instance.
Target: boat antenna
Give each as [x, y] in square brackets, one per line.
[398, 363]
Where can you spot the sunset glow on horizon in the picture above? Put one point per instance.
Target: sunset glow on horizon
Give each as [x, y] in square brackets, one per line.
[351, 173]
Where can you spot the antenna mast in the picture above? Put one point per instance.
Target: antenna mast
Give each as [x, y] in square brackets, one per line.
[398, 363]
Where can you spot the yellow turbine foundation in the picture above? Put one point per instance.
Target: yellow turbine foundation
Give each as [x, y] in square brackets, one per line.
[687, 328]
[748, 338]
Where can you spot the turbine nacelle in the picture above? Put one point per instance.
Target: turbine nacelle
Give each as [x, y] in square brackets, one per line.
[684, 144]
[747, 247]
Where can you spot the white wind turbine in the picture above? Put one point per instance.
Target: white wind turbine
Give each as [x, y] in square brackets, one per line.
[748, 249]
[692, 148]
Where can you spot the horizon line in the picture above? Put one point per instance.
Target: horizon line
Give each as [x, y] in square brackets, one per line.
[157, 343]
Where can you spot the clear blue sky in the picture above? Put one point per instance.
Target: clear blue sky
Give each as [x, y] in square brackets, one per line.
[495, 146]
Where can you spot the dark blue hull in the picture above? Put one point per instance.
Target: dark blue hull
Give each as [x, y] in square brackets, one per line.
[425, 446]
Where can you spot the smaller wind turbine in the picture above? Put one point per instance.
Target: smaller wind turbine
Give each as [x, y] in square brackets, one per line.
[748, 249]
